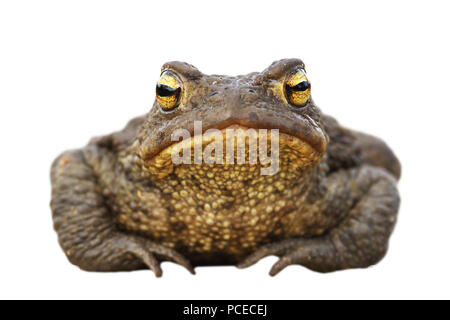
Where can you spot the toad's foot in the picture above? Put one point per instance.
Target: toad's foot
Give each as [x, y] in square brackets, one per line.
[315, 254]
[281, 249]
[151, 254]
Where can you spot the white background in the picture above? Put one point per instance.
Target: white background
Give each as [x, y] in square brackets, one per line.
[70, 70]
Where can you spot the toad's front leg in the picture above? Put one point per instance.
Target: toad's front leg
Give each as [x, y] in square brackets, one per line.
[359, 240]
[85, 226]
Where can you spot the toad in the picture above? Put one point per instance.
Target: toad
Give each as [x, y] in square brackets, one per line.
[331, 202]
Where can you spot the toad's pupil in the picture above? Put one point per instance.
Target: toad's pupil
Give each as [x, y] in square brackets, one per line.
[301, 86]
[163, 90]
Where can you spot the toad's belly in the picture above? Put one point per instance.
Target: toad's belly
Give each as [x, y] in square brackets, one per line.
[204, 233]
[217, 225]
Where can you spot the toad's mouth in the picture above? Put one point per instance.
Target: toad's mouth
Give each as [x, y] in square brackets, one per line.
[235, 147]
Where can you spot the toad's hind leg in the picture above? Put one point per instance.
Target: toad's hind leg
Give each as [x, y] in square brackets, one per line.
[86, 229]
[376, 152]
[359, 240]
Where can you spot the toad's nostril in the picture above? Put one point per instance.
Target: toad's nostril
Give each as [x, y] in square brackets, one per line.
[246, 90]
[253, 117]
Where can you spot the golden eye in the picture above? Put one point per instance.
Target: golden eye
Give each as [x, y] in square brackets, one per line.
[168, 91]
[298, 88]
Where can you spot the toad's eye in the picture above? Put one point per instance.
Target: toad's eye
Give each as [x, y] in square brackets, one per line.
[297, 88]
[168, 91]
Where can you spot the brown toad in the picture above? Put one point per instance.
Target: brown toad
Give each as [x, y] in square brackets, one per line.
[122, 203]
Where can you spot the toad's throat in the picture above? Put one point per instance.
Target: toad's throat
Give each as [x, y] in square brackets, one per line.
[234, 148]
